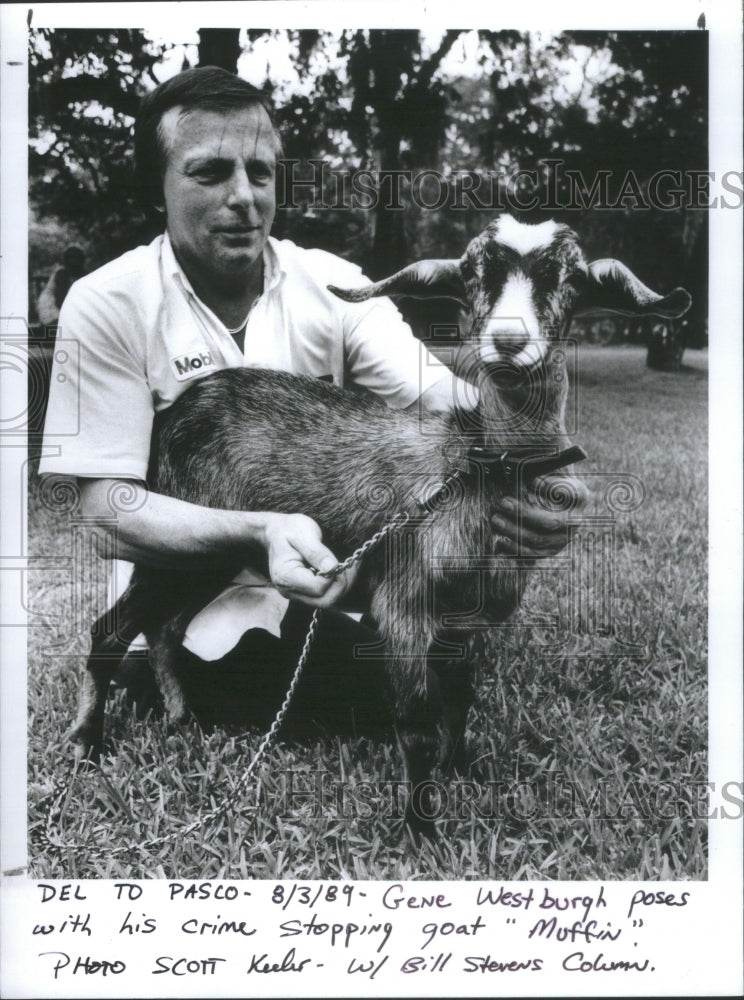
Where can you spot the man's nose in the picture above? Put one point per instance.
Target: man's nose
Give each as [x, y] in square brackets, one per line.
[240, 193]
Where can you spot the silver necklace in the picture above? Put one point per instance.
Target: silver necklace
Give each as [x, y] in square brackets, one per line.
[236, 329]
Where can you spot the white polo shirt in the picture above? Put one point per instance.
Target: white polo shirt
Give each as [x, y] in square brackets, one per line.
[133, 335]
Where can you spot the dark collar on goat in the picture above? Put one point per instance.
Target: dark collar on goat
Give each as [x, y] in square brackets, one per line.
[521, 465]
[511, 467]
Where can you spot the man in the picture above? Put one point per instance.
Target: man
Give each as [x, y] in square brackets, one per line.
[215, 291]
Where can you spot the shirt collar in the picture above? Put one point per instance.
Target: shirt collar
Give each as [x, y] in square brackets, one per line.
[171, 265]
[273, 271]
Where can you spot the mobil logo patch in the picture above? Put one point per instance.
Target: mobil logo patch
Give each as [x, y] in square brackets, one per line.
[190, 365]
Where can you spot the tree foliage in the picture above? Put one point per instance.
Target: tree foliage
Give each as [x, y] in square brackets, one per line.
[85, 88]
[389, 100]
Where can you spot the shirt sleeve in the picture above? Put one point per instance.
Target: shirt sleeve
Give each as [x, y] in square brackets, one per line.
[100, 411]
[382, 354]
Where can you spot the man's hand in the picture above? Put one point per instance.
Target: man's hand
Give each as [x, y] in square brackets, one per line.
[162, 531]
[296, 557]
[533, 527]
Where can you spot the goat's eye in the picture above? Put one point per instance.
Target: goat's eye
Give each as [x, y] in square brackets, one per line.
[467, 270]
[577, 280]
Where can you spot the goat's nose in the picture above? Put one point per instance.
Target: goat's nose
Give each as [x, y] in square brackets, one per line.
[512, 330]
[509, 336]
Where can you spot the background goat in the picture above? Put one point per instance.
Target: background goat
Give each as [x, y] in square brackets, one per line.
[259, 440]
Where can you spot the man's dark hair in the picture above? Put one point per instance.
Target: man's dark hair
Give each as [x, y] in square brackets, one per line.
[206, 87]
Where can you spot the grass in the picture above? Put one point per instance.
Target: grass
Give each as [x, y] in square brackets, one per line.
[587, 747]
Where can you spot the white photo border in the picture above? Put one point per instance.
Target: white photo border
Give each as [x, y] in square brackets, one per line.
[720, 932]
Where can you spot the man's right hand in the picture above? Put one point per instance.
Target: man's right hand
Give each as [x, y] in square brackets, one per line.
[297, 556]
[163, 531]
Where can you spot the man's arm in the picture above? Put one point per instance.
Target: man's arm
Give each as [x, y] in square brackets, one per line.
[446, 394]
[103, 378]
[162, 531]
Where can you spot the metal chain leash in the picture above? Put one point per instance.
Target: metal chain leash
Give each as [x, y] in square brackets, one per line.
[427, 502]
[398, 521]
[394, 524]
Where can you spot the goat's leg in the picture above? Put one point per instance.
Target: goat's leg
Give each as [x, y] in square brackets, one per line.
[418, 733]
[418, 715]
[112, 635]
[164, 644]
[455, 678]
[400, 608]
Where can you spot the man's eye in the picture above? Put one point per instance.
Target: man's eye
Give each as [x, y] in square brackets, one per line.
[210, 175]
[261, 173]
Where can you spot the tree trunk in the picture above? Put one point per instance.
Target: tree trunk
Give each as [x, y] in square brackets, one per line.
[666, 345]
[219, 47]
[390, 247]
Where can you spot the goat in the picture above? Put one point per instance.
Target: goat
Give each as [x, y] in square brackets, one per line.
[260, 440]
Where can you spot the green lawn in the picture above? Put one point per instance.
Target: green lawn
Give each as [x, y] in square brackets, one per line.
[588, 743]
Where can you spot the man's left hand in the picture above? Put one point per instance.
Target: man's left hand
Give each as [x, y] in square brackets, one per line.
[530, 527]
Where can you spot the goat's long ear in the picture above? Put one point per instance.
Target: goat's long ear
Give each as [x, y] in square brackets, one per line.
[611, 285]
[426, 279]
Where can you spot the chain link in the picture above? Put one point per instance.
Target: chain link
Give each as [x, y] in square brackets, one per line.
[261, 752]
[395, 523]
[398, 521]
[426, 505]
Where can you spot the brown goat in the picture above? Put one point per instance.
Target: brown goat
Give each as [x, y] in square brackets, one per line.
[258, 440]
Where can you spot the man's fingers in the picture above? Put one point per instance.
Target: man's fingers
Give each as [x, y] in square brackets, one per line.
[315, 554]
[296, 581]
[336, 590]
[528, 542]
[553, 500]
[303, 568]
[528, 520]
[561, 493]
[293, 571]
[292, 577]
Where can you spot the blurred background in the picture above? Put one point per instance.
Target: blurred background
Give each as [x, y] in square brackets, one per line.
[513, 113]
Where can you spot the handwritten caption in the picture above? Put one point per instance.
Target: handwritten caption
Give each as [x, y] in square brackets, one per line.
[213, 930]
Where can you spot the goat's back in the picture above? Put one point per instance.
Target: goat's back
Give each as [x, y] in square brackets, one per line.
[253, 439]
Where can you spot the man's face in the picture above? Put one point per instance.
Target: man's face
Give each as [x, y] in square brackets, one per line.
[219, 190]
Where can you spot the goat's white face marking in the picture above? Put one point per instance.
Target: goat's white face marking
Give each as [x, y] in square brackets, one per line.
[523, 237]
[512, 330]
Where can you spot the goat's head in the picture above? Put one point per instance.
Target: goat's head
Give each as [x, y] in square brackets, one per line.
[521, 284]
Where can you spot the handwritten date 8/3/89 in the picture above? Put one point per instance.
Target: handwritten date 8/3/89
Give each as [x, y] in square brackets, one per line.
[309, 895]
[394, 897]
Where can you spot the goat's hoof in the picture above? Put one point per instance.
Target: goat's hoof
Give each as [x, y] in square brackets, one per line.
[179, 718]
[420, 830]
[419, 815]
[176, 710]
[87, 745]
